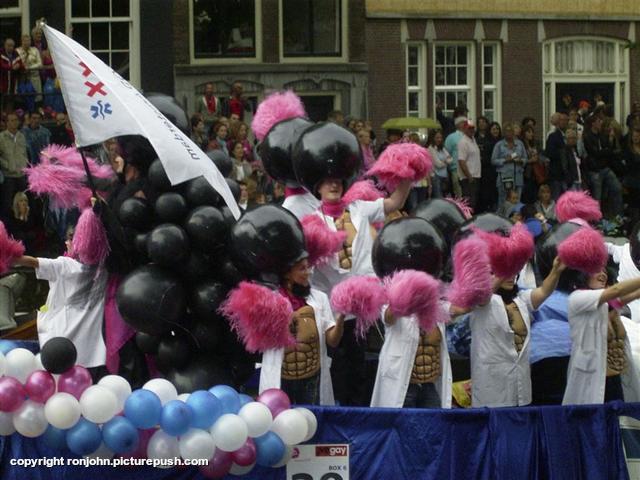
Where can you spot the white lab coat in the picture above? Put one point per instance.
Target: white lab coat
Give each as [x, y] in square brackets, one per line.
[621, 254]
[75, 307]
[500, 376]
[301, 205]
[363, 214]
[587, 372]
[396, 361]
[272, 359]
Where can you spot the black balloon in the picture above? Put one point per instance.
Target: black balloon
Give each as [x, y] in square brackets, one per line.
[547, 250]
[135, 213]
[222, 161]
[197, 266]
[147, 343]
[445, 215]
[58, 355]
[206, 228]
[325, 150]
[172, 109]
[157, 176]
[168, 245]
[174, 351]
[235, 188]
[140, 242]
[171, 207]
[277, 147]
[266, 240]
[228, 273]
[409, 243]
[206, 299]
[229, 219]
[634, 245]
[203, 372]
[200, 192]
[489, 222]
[207, 334]
[151, 299]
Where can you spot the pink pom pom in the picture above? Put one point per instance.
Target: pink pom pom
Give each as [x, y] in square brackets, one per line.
[320, 240]
[70, 157]
[361, 190]
[402, 161]
[584, 250]
[10, 250]
[411, 292]
[259, 316]
[90, 244]
[463, 205]
[472, 284]
[275, 108]
[360, 296]
[581, 205]
[508, 255]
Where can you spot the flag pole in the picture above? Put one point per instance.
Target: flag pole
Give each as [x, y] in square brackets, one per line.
[92, 185]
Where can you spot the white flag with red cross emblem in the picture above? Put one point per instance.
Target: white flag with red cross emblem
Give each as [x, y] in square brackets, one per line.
[101, 105]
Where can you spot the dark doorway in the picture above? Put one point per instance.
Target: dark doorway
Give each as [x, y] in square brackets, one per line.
[584, 91]
[318, 106]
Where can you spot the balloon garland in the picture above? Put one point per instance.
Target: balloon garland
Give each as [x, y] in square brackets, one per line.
[60, 404]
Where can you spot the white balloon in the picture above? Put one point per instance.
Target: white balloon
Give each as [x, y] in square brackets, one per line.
[119, 386]
[183, 397]
[162, 446]
[196, 444]
[20, 363]
[38, 364]
[29, 419]
[62, 410]
[290, 426]
[258, 418]
[312, 422]
[98, 404]
[239, 470]
[102, 452]
[3, 364]
[6, 424]
[229, 432]
[163, 388]
[288, 453]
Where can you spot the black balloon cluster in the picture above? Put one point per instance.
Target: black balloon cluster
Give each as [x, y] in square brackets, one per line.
[172, 298]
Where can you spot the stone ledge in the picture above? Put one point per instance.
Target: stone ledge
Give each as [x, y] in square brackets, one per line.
[185, 70]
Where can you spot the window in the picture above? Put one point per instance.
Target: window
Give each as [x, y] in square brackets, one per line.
[109, 28]
[415, 80]
[223, 29]
[453, 76]
[490, 81]
[12, 20]
[311, 28]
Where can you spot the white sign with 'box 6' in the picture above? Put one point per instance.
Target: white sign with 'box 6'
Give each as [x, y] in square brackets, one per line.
[319, 462]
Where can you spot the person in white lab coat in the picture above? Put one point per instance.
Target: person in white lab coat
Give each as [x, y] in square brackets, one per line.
[589, 322]
[500, 375]
[300, 202]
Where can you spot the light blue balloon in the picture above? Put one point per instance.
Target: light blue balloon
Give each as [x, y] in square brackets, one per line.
[7, 345]
[269, 449]
[143, 408]
[176, 418]
[120, 435]
[244, 399]
[84, 437]
[55, 438]
[206, 409]
[228, 396]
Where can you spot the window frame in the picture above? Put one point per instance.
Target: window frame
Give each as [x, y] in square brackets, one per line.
[496, 86]
[422, 79]
[22, 11]
[134, 34]
[344, 39]
[228, 60]
[470, 86]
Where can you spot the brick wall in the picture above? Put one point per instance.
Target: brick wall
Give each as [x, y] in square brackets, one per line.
[181, 31]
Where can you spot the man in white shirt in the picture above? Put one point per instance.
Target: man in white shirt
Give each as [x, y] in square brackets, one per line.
[469, 164]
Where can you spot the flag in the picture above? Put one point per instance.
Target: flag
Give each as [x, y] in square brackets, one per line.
[101, 105]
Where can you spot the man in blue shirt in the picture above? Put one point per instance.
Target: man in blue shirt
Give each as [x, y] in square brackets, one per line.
[451, 144]
[38, 137]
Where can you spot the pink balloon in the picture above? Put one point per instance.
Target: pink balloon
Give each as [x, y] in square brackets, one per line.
[246, 454]
[75, 381]
[12, 394]
[219, 465]
[40, 385]
[276, 400]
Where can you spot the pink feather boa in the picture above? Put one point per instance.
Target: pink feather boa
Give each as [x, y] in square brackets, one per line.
[320, 240]
[275, 108]
[259, 316]
[508, 255]
[90, 244]
[411, 292]
[472, 284]
[402, 161]
[463, 205]
[581, 205]
[362, 297]
[361, 190]
[10, 250]
[584, 250]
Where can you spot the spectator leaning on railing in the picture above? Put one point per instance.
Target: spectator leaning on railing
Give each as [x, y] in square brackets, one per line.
[13, 159]
[37, 136]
